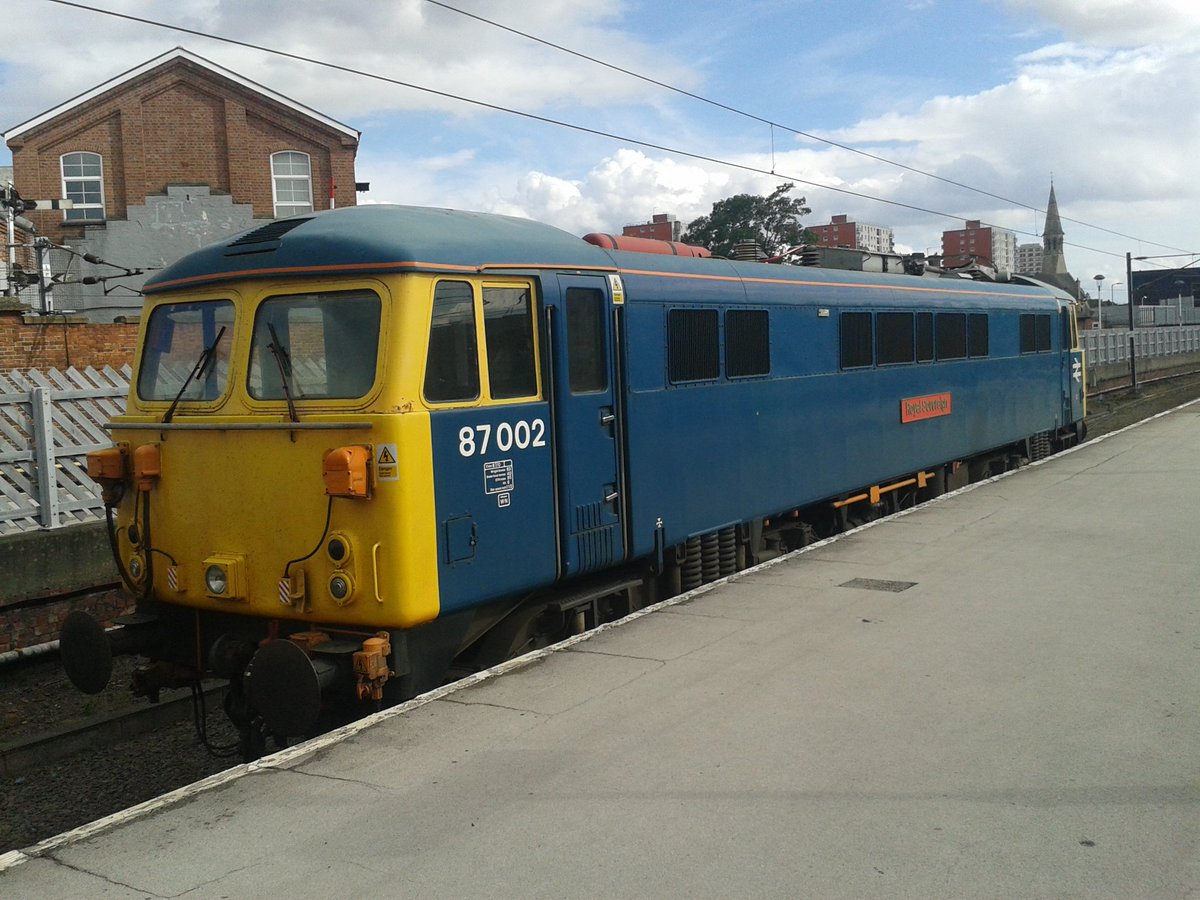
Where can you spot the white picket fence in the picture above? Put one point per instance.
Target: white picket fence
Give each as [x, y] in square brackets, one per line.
[1111, 346]
[49, 421]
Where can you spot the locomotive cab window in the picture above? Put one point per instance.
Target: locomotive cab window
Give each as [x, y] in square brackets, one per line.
[452, 363]
[508, 331]
[1069, 329]
[321, 346]
[185, 352]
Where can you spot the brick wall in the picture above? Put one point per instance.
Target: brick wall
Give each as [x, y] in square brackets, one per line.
[32, 342]
[28, 626]
[180, 123]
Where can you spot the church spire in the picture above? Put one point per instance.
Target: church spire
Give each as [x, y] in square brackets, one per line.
[1053, 262]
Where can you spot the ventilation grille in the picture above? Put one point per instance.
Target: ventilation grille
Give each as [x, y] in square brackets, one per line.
[594, 549]
[271, 232]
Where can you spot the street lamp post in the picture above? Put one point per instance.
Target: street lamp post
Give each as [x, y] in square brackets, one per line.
[1099, 279]
[1111, 296]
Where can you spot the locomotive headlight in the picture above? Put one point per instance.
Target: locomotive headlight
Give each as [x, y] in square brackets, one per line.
[137, 569]
[225, 576]
[216, 579]
[340, 588]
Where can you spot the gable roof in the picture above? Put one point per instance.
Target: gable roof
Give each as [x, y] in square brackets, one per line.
[164, 59]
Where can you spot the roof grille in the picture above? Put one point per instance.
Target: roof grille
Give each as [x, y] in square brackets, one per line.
[272, 231]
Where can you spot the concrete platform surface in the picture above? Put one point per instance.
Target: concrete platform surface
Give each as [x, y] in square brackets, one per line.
[1022, 721]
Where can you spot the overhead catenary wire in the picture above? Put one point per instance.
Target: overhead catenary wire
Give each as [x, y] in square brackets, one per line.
[737, 111]
[700, 157]
[772, 124]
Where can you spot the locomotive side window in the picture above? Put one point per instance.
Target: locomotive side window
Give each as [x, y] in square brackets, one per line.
[894, 338]
[587, 351]
[1043, 333]
[747, 343]
[855, 337]
[315, 346]
[452, 365]
[1035, 333]
[508, 331]
[950, 335]
[924, 337]
[977, 334]
[693, 351]
[1028, 339]
[1067, 329]
[182, 338]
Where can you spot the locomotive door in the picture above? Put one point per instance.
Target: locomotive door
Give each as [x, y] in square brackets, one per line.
[587, 444]
[1072, 375]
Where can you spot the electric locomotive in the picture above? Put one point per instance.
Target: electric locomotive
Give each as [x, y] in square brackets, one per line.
[368, 446]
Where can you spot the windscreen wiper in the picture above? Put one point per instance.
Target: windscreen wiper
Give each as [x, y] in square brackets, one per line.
[206, 358]
[284, 362]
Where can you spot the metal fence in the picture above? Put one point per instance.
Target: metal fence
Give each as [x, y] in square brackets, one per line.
[1110, 346]
[49, 421]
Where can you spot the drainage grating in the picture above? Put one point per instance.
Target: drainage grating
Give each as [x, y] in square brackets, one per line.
[872, 584]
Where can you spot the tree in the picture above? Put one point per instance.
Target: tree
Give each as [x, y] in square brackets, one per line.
[773, 221]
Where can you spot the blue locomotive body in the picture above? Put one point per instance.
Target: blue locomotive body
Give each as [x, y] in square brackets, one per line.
[538, 434]
[807, 421]
[716, 395]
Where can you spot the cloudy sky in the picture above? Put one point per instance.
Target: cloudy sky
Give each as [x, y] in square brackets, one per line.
[992, 98]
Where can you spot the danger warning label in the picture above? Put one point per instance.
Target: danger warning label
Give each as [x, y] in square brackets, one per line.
[386, 467]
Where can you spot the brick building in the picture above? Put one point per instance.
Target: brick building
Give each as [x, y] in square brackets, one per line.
[979, 243]
[171, 155]
[661, 227]
[842, 232]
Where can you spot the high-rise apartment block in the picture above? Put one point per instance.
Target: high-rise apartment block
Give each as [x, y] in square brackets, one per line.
[841, 232]
[982, 244]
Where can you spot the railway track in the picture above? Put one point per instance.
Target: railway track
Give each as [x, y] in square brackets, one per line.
[33, 748]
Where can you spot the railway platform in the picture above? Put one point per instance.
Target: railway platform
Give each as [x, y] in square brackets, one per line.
[995, 695]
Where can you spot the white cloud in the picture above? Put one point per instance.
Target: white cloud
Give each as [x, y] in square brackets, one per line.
[406, 41]
[1102, 105]
[1119, 23]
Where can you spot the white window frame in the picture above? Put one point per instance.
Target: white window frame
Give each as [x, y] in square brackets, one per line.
[84, 185]
[293, 182]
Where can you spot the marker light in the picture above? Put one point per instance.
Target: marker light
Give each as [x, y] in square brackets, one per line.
[340, 589]
[337, 551]
[109, 468]
[147, 466]
[345, 472]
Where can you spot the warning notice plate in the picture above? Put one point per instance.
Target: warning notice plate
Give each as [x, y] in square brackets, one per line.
[386, 467]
